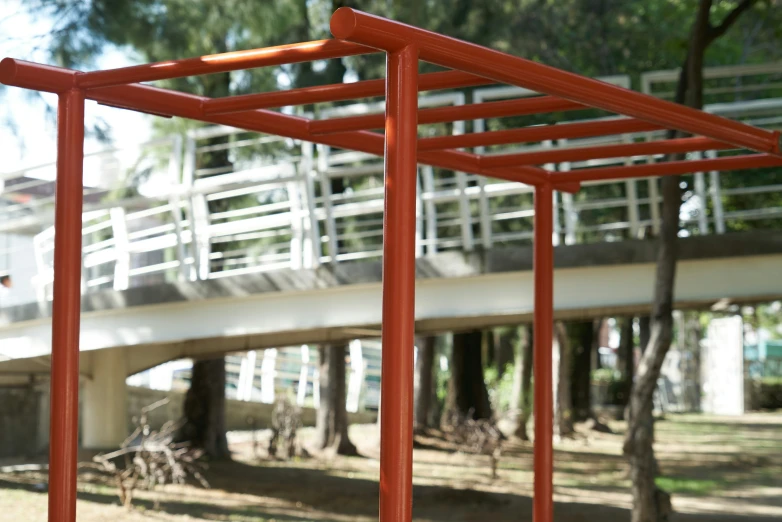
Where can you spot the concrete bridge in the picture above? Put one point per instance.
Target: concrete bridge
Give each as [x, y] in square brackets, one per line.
[282, 248]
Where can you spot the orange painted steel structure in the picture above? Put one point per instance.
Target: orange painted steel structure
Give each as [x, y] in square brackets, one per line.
[360, 33]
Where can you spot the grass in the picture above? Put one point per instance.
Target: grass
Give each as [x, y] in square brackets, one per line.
[689, 486]
[718, 470]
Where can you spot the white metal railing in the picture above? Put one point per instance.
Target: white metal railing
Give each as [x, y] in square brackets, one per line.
[222, 202]
[262, 376]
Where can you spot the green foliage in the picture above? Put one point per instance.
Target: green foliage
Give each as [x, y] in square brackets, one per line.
[500, 388]
[687, 485]
[612, 381]
[605, 375]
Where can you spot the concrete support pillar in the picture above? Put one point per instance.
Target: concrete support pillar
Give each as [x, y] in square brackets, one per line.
[42, 437]
[104, 418]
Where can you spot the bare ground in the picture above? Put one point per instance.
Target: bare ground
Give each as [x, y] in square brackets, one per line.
[718, 470]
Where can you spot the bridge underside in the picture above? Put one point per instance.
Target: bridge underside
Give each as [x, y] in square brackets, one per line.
[455, 291]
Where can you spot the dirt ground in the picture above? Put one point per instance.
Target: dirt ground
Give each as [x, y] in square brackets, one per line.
[717, 469]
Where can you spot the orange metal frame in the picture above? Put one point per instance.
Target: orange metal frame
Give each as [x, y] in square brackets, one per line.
[359, 33]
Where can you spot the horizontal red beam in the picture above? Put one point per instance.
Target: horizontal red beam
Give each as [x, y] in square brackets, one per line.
[171, 103]
[217, 63]
[623, 150]
[581, 129]
[671, 168]
[338, 92]
[497, 109]
[388, 35]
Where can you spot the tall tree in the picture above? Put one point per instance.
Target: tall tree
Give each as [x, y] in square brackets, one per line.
[649, 503]
[504, 341]
[581, 335]
[563, 392]
[204, 409]
[522, 394]
[424, 381]
[467, 394]
[331, 423]
[625, 358]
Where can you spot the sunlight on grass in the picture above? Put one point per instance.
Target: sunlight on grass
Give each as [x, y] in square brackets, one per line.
[691, 486]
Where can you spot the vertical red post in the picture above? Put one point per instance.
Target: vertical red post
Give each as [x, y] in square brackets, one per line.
[543, 504]
[396, 412]
[63, 437]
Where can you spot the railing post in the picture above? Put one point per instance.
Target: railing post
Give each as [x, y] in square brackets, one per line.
[297, 225]
[308, 202]
[268, 372]
[398, 319]
[64, 400]
[430, 214]
[700, 191]
[419, 219]
[654, 194]
[199, 226]
[356, 376]
[654, 207]
[543, 338]
[555, 226]
[716, 196]
[301, 392]
[325, 190]
[119, 228]
[484, 214]
[188, 179]
[567, 203]
[177, 182]
[631, 193]
[465, 214]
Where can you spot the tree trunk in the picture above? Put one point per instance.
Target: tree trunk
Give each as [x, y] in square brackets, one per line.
[488, 347]
[649, 503]
[467, 393]
[424, 376]
[527, 351]
[626, 358]
[504, 341]
[519, 342]
[204, 409]
[582, 345]
[597, 343]
[564, 406]
[644, 331]
[331, 423]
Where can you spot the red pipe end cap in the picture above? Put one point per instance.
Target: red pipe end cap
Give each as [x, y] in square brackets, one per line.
[7, 70]
[343, 23]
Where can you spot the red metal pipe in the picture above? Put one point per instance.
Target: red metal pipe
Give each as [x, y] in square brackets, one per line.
[217, 63]
[543, 266]
[36, 76]
[360, 27]
[338, 92]
[670, 168]
[581, 129]
[66, 307]
[398, 326]
[166, 102]
[512, 174]
[497, 109]
[673, 146]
